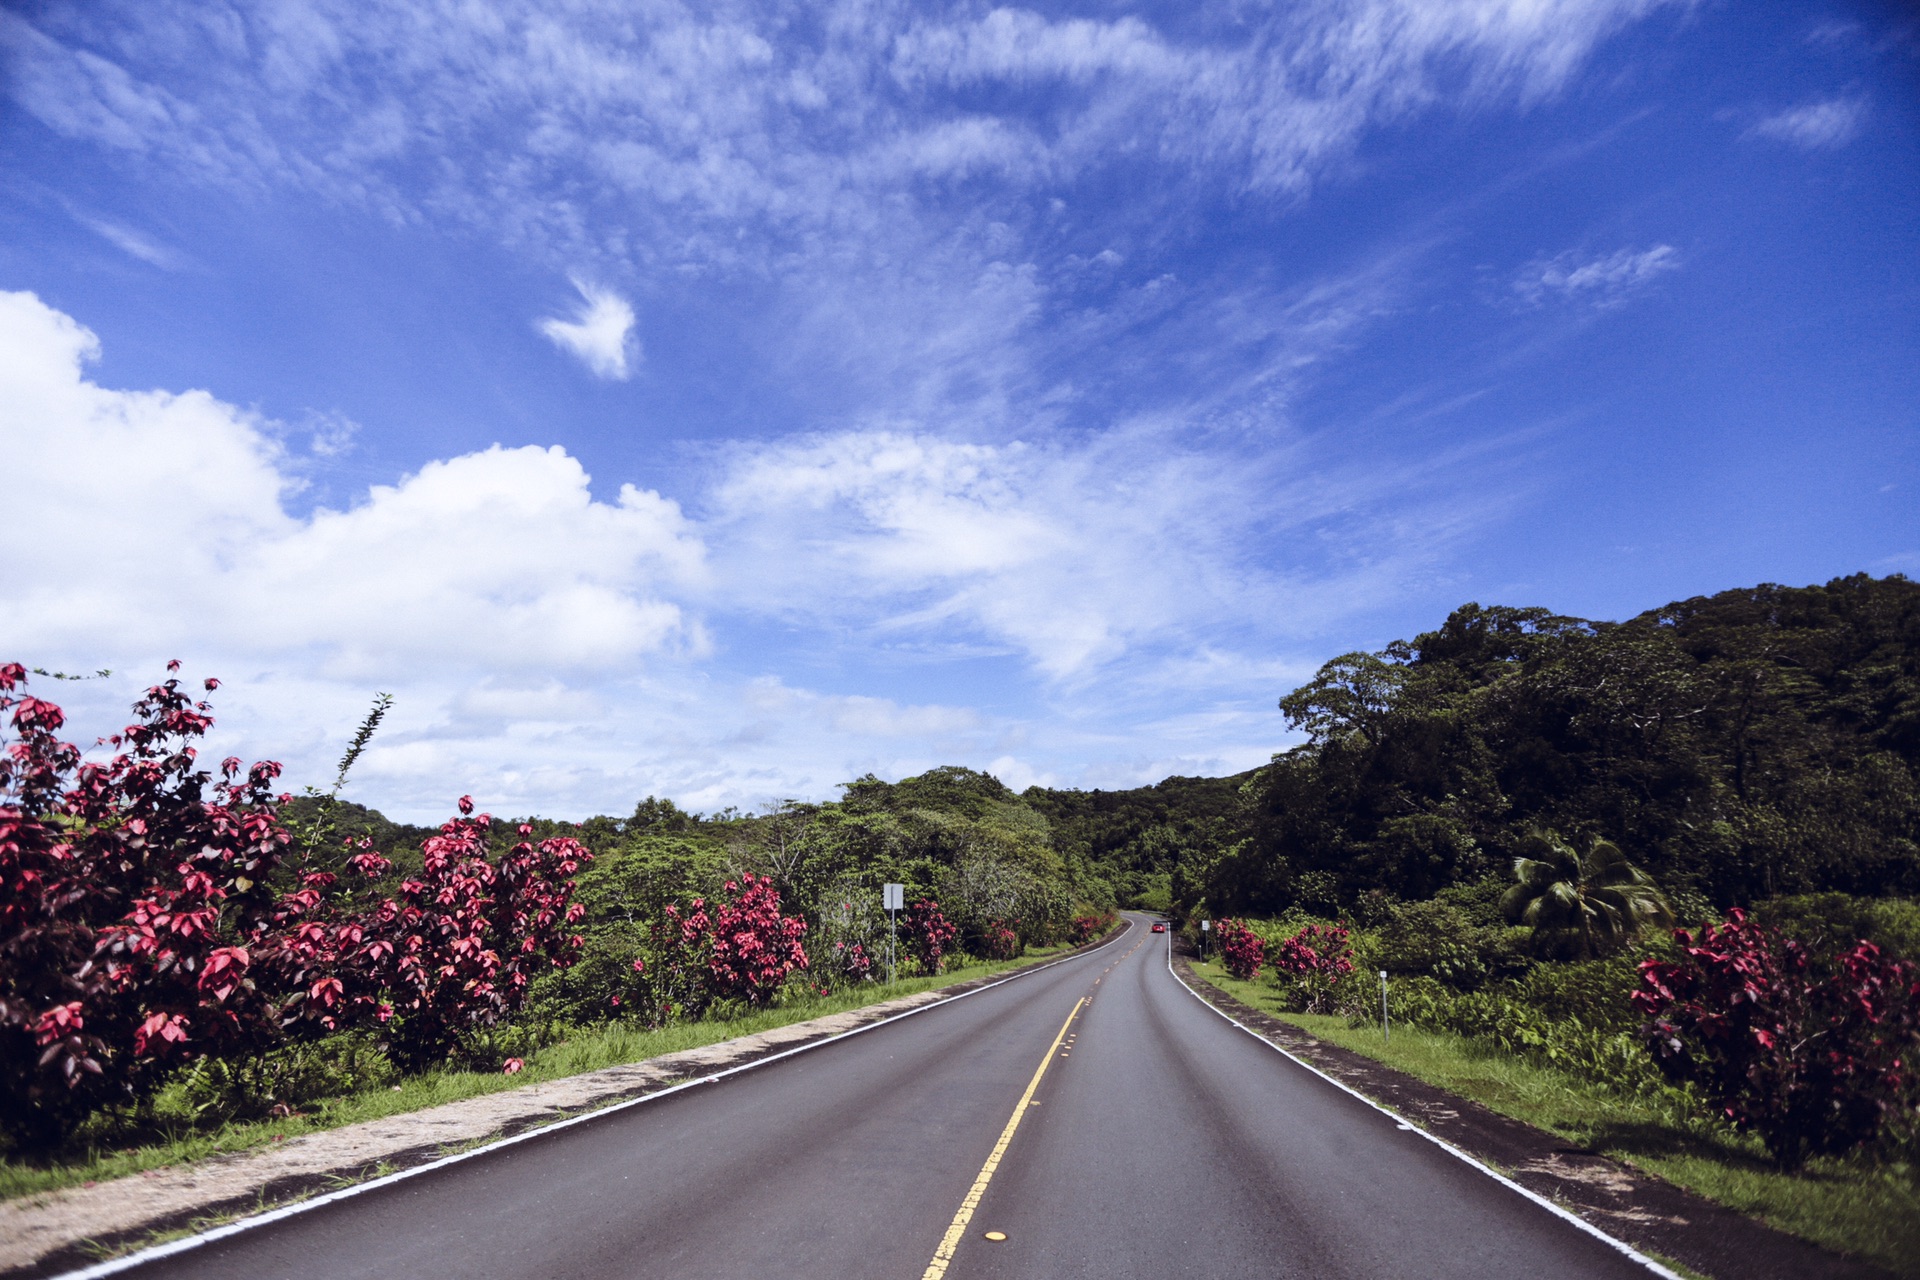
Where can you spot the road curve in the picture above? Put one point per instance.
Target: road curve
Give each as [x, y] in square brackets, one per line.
[1159, 1141]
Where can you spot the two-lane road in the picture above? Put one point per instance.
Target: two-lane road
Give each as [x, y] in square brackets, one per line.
[1159, 1141]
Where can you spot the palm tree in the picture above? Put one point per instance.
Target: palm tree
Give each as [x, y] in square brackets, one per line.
[1579, 906]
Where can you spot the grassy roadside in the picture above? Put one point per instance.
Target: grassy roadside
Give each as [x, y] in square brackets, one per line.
[588, 1051]
[1853, 1205]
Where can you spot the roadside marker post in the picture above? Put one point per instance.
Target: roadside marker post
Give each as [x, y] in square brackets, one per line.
[893, 897]
[1385, 1035]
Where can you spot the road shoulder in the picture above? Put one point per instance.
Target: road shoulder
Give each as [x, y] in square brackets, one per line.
[1650, 1214]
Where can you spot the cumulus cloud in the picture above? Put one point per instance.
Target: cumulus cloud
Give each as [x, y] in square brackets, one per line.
[600, 333]
[163, 513]
[1603, 282]
[1815, 126]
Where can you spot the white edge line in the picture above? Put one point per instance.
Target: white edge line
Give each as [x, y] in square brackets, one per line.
[126, 1262]
[1559, 1211]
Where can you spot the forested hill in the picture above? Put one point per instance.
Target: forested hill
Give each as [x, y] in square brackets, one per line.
[1138, 839]
[1756, 742]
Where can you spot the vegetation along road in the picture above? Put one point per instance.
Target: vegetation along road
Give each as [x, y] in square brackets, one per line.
[1095, 1113]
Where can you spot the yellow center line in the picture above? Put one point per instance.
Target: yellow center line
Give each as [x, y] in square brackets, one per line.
[957, 1232]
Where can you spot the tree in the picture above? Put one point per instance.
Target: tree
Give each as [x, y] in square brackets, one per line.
[1354, 693]
[1582, 906]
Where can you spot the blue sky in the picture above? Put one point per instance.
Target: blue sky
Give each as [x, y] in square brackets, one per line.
[725, 401]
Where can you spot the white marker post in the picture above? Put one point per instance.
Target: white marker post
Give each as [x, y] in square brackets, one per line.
[1206, 927]
[893, 897]
[1385, 1035]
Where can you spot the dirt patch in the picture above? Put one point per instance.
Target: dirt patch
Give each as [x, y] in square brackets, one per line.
[1626, 1203]
[51, 1232]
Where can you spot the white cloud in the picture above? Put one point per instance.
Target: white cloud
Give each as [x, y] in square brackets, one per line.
[163, 512]
[330, 435]
[133, 243]
[600, 333]
[1124, 546]
[1815, 126]
[1601, 282]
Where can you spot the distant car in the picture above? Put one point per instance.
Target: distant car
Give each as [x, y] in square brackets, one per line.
[1159, 926]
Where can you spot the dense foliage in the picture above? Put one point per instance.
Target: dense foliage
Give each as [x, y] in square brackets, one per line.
[1740, 746]
[148, 923]
[1815, 1058]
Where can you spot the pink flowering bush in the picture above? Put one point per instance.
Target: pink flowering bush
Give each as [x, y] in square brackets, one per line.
[741, 949]
[1815, 1060]
[1240, 948]
[1083, 929]
[1314, 962]
[929, 936]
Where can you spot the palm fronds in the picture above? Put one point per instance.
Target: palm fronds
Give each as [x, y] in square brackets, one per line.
[1581, 906]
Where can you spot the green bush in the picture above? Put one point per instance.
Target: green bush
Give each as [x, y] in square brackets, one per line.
[1828, 923]
[280, 1082]
[1510, 1023]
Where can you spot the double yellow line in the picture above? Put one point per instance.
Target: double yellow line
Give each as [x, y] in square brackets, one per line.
[957, 1232]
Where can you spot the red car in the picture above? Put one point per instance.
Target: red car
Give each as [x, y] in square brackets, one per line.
[1159, 926]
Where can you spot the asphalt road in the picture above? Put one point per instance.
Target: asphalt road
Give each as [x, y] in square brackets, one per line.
[1159, 1141]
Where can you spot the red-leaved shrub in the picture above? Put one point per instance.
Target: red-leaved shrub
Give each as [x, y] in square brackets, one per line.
[1314, 960]
[454, 951]
[930, 935]
[1812, 1059]
[1084, 929]
[743, 949]
[139, 928]
[1240, 949]
[999, 941]
[133, 904]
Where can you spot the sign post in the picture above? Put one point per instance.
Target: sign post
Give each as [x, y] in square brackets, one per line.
[1206, 927]
[892, 897]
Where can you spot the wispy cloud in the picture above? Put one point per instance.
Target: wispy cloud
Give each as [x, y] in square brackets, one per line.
[1815, 126]
[600, 333]
[1119, 551]
[133, 243]
[704, 122]
[1603, 282]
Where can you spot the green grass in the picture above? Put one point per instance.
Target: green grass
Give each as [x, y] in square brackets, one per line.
[1853, 1205]
[178, 1140]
